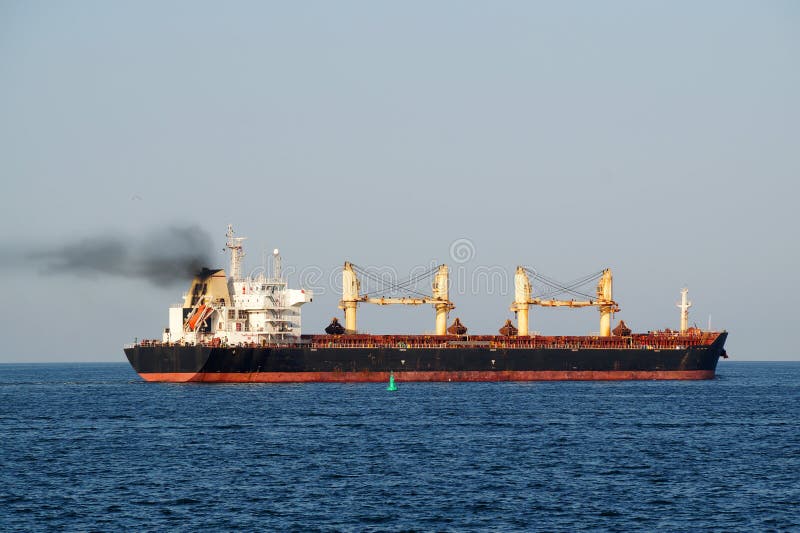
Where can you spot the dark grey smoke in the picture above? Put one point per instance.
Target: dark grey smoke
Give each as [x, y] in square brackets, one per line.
[169, 255]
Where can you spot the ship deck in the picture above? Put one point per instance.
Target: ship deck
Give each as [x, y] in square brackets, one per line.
[658, 340]
[652, 340]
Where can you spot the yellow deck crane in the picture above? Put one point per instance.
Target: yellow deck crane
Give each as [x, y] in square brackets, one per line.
[523, 300]
[351, 297]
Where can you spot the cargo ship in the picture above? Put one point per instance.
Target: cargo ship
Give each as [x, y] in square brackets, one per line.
[235, 328]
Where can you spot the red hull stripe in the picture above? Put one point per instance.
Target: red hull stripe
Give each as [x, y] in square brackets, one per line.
[375, 377]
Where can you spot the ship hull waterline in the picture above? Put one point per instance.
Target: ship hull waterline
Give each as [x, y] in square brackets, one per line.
[338, 365]
[379, 377]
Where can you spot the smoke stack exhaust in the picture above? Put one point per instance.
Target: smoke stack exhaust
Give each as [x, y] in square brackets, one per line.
[165, 257]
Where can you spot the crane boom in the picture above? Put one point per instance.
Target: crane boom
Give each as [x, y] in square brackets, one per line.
[562, 303]
[401, 301]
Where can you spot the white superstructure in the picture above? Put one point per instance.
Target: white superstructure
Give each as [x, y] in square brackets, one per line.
[257, 308]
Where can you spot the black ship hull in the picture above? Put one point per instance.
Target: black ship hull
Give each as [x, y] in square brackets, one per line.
[373, 364]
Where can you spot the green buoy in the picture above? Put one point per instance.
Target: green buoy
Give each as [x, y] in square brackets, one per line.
[391, 386]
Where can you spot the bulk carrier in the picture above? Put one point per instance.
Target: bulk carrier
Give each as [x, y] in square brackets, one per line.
[248, 329]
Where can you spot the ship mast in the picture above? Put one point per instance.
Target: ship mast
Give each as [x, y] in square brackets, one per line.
[234, 244]
[276, 264]
[684, 307]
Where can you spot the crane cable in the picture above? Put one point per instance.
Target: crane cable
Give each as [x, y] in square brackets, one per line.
[385, 287]
[556, 287]
[571, 289]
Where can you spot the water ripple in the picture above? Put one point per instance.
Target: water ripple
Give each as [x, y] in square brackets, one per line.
[89, 447]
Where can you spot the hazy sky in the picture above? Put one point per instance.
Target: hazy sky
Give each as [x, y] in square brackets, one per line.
[661, 139]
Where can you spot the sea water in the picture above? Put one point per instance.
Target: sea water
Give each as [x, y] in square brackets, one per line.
[92, 447]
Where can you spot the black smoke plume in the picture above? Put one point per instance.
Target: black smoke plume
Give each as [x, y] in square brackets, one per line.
[170, 255]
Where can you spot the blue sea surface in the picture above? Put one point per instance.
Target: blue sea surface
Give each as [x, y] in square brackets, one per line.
[92, 447]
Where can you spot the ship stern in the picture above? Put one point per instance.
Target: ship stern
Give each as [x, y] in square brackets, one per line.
[165, 363]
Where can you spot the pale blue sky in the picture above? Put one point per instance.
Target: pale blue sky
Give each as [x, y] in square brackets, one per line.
[657, 138]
